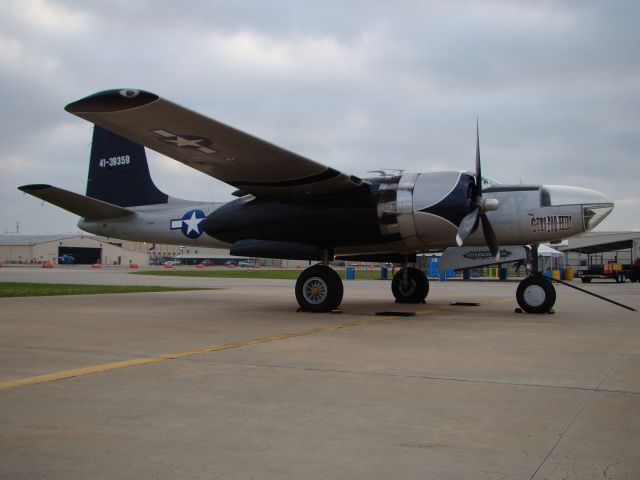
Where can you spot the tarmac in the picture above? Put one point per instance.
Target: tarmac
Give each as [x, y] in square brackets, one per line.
[235, 384]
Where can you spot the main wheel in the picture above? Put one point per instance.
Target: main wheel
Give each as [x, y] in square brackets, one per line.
[536, 294]
[416, 288]
[319, 289]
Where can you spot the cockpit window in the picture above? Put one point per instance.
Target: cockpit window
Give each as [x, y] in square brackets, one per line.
[556, 195]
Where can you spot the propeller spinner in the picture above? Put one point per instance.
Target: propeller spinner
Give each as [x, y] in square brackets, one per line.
[469, 223]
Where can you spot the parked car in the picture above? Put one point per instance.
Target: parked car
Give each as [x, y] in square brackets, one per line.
[248, 263]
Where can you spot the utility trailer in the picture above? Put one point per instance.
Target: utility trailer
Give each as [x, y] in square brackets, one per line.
[612, 271]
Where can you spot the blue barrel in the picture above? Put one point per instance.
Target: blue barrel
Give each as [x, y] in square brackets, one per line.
[466, 274]
[504, 273]
[350, 273]
[547, 272]
[433, 266]
[383, 273]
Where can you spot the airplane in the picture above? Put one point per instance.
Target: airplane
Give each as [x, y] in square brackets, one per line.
[291, 207]
[66, 259]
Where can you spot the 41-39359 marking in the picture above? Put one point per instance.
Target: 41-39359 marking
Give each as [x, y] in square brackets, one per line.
[114, 161]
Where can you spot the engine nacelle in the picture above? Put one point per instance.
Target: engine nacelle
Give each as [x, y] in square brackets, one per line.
[426, 209]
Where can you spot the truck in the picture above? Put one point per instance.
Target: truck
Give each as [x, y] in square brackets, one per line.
[611, 271]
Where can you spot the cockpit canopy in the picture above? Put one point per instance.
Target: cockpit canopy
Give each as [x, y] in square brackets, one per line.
[595, 205]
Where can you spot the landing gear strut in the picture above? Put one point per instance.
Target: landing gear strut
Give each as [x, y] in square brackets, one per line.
[536, 293]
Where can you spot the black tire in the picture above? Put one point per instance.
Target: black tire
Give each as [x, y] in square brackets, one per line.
[319, 289]
[417, 286]
[536, 294]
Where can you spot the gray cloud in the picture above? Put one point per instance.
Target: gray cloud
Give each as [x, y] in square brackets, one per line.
[358, 86]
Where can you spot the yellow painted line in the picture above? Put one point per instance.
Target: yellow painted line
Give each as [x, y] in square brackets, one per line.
[76, 372]
[105, 367]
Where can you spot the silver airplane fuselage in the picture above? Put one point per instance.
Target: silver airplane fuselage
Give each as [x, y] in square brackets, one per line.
[405, 213]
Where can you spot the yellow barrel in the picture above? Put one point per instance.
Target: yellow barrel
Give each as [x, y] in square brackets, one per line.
[555, 274]
[568, 274]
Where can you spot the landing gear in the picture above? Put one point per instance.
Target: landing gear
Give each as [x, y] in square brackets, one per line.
[410, 285]
[536, 294]
[319, 289]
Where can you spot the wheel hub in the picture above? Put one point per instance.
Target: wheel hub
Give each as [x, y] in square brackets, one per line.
[409, 288]
[315, 290]
[534, 295]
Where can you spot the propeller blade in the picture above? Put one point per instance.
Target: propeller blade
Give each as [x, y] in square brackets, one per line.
[468, 225]
[490, 236]
[478, 167]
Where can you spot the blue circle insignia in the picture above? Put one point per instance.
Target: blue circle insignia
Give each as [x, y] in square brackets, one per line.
[192, 223]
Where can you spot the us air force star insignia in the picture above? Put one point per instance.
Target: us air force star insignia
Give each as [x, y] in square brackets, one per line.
[189, 224]
[190, 141]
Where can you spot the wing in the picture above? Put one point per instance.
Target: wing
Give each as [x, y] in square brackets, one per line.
[246, 162]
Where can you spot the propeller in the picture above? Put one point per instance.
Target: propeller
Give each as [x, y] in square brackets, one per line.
[481, 206]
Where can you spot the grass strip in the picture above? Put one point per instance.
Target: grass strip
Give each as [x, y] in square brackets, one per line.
[283, 274]
[16, 289]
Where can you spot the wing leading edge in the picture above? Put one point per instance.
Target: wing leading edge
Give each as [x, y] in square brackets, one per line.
[234, 157]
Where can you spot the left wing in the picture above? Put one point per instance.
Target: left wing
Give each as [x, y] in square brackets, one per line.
[246, 162]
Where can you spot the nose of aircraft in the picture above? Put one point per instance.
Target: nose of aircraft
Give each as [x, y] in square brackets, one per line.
[595, 205]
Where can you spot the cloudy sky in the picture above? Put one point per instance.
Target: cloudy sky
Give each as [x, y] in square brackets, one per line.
[354, 85]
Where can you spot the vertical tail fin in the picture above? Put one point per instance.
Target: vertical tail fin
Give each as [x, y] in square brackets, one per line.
[119, 173]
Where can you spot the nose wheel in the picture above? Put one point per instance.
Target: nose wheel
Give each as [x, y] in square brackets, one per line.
[536, 294]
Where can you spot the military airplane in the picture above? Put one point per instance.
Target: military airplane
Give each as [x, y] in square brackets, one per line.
[291, 207]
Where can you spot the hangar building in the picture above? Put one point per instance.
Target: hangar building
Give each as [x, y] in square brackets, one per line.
[85, 249]
[88, 249]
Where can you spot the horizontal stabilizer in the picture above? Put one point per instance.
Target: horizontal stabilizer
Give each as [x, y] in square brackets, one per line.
[458, 258]
[87, 207]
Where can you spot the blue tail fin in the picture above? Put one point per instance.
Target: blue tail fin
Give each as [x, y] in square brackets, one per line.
[118, 172]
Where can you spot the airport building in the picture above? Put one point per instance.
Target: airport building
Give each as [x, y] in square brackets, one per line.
[600, 248]
[89, 249]
[85, 249]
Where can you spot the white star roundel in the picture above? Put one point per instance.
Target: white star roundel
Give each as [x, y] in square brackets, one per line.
[190, 224]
